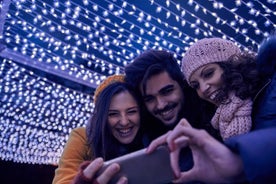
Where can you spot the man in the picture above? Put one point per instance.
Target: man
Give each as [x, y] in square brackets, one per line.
[166, 95]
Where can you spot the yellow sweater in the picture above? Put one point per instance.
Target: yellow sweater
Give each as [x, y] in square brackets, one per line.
[75, 152]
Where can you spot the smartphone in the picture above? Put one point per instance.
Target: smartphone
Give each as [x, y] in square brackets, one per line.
[142, 168]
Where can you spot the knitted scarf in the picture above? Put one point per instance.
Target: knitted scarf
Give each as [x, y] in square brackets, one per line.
[233, 118]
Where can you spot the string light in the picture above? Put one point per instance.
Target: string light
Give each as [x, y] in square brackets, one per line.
[88, 41]
[37, 115]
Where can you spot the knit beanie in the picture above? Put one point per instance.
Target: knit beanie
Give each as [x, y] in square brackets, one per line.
[108, 81]
[205, 51]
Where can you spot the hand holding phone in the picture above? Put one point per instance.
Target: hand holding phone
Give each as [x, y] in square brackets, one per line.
[142, 168]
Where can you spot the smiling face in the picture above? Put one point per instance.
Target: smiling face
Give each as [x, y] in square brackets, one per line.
[207, 81]
[124, 117]
[164, 98]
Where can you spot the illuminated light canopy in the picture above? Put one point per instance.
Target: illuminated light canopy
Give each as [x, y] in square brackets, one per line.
[83, 42]
[37, 115]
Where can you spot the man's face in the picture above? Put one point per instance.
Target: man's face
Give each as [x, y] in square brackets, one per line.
[164, 98]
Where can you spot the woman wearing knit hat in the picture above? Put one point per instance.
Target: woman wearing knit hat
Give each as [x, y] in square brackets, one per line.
[114, 129]
[250, 157]
[223, 75]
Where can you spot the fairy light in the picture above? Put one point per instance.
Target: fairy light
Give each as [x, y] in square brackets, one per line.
[28, 104]
[89, 40]
[52, 41]
[222, 22]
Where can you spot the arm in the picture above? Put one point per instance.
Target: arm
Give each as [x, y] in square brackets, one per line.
[251, 156]
[264, 113]
[257, 150]
[74, 153]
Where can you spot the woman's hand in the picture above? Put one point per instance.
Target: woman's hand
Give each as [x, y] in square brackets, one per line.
[89, 173]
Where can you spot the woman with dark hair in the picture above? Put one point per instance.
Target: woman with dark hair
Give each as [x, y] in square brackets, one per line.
[249, 157]
[114, 129]
[108, 139]
[227, 77]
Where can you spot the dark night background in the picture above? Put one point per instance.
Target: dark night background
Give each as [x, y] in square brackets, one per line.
[14, 173]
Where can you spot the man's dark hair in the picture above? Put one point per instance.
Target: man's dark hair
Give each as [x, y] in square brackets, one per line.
[157, 61]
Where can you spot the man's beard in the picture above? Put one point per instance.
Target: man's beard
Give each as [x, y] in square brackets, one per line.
[167, 108]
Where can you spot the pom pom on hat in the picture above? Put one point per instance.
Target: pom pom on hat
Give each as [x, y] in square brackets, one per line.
[108, 81]
[205, 51]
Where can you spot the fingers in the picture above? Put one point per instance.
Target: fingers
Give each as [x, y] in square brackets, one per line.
[163, 139]
[177, 136]
[174, 155]
[183, 134]
[174, 158]
[122, 180]
[108, 173]
[91, 170]
[157, 142]
[186, 176]
[183, 122]
[181, 142]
